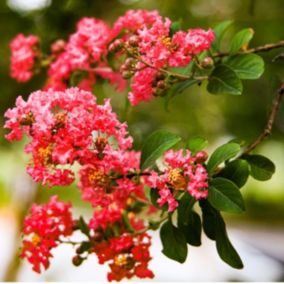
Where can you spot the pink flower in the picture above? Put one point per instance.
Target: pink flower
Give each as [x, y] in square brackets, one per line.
[68, 127]
[23, 57]
[42, 230]
[141, 86]
[183, 172]
[133, 20]
[84, 49]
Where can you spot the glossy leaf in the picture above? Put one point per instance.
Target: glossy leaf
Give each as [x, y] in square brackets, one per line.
[215, 228]
[196, 144]
[237, 171]
[241, 40]
[261, 168]
[174, 242]
[219, 31]
[224, 80]
[247, 66]
[224, 195]
[222, 154]
[155, 145]
[189, 223]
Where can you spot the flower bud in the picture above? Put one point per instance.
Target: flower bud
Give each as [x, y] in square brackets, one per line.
[201, 157]
[116, 45]
[161, 84]
[58, 46]
[98, 236]
[133, 41]
[130, 63]
[207, 62]
[157, 92]
[77, 260]
[160, 76]
[127, 74]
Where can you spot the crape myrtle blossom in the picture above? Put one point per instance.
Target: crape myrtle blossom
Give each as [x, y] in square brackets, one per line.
[143, 36]
[147, 37]
[184, 172]
[42, 230]
[126, 255]
[61, 126]
[85, 51]
[24, 53]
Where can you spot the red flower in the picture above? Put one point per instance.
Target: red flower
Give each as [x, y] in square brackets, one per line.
[42, 230]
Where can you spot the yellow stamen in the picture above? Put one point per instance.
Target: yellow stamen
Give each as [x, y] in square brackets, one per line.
[36, 239]
[176, 179]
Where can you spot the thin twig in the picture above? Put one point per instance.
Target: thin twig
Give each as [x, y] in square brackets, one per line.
[257, 49]
[270, 121]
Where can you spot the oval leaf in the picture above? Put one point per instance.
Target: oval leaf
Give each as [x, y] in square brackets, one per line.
[196, 144]
[247, 66]
[222, 154]
[224, 80]
[174, 242]
[261, 168]
[215, 228]
[219, 31]
[224, 195]
[241, 40]
[237, 171]
[155, 145]
[189, 221]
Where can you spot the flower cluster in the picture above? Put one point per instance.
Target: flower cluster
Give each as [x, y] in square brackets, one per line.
[84, 51]
[184, 172]
[42, 230]
[24, 55]
[70, 133]
[126, 255]
[143, 40]
[68, 127]
[153, 47]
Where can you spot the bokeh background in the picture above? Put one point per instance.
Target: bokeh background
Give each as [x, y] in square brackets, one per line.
[258, 234]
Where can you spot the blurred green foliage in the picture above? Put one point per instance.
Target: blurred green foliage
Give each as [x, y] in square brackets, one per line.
[193, 112]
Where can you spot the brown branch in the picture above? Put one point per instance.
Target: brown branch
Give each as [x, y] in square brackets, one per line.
[266, 47]
[270, 121]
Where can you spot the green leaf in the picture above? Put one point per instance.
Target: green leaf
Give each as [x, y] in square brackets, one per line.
[215, 228]
[241, 39]
[224, 80]
[175, 27]
[155, 145]
[225, 248]
[190, 225]
[196, 144]
[247, 66]
[174, 242]
[224, 195]
[222, 154]
[219, 31]
[261, 168]
[208, 219]
[237, 171]
[83, 226]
